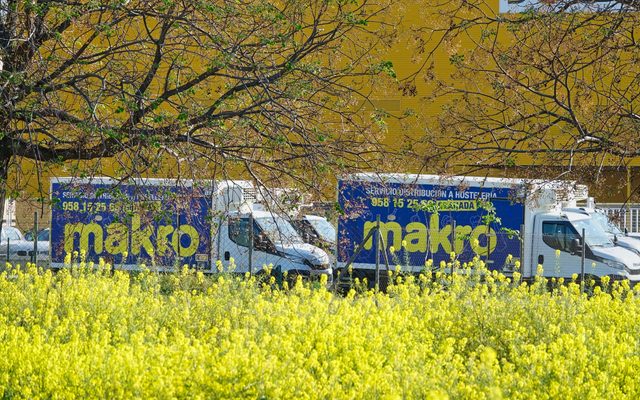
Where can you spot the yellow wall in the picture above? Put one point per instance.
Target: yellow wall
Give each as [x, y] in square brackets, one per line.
[406, 60]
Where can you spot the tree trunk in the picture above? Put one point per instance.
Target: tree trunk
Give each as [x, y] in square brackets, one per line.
[5, 157]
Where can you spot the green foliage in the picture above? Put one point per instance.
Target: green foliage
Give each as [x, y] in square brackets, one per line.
[379, 117]
[355, 20]
[456, 59]
[385, 67]
[208, 83]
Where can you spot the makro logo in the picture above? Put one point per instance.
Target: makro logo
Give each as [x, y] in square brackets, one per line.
[418, 235]
[117, 238]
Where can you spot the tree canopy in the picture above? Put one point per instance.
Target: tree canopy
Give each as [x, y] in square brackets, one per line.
[553, 84]
[271, 89]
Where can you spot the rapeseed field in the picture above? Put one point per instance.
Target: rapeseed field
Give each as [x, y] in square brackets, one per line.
[90, 332]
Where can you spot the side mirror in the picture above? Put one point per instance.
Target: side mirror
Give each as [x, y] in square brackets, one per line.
[575, 246]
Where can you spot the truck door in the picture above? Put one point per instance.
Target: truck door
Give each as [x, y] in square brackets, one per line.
[552, 248]
[234, 243]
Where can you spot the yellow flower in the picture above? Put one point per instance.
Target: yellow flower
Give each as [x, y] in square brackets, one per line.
[219, 322]
[392, 249]
[558, 252]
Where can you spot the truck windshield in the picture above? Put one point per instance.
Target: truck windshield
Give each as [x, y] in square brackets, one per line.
[594, 234]
[325, 230]
[279, 230]
[606, 224]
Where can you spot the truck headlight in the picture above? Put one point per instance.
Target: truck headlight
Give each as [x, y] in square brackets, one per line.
[615, 264]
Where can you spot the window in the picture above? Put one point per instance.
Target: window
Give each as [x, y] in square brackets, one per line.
[239, 231]
[10, 233]
[239, 234]
[325, 229]
[43, 235]
[558, 235]
[305, 230]
[278, 230]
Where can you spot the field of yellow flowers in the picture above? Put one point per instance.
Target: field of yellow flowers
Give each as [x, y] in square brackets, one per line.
[93, 333]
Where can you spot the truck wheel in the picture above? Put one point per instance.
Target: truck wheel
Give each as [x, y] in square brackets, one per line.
[292, 277]
[262, 277]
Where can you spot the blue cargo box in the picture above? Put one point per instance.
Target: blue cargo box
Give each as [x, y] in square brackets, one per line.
[423, 217]
[160, 223]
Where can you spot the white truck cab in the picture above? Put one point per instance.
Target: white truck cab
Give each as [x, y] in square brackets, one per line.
[557, 233]
[560, 255]
[272, 240]
[313, 229]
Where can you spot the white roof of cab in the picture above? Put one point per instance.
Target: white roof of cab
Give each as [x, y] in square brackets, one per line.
[314, 217]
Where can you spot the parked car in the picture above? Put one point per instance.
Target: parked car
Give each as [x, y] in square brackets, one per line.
[20, 250]
[43, 236]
